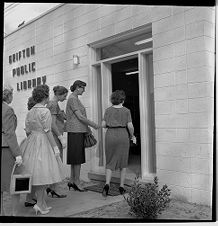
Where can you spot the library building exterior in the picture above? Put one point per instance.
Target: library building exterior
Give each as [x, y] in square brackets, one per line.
[162, 57]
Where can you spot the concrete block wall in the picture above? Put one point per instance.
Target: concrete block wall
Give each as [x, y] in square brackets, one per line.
[183, 54]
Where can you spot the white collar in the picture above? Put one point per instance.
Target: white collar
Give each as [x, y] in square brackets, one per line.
[39, 105]
[118, 106]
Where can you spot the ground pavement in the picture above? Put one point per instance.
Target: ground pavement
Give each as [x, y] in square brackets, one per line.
[75, 202]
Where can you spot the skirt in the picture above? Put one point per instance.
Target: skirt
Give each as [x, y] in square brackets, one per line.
[75, 148]
[116, 148]
[39, 159]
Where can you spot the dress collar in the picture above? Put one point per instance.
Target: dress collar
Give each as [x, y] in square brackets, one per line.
[118, 106]
[5, 102]
[38, 105]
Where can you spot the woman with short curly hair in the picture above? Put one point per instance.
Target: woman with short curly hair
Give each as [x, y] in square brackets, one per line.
[77, 125]
[40, 150]
[58, 128]
[118, 122]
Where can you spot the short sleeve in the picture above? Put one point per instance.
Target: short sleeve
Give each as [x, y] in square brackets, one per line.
[27, 124]
[105, 115]
[46, 120]
[74, 104]
[53, 107]
[129, 117]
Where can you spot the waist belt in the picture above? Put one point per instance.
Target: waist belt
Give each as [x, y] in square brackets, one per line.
[115, 127]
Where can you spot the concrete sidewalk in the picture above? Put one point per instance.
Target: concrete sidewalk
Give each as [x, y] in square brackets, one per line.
[75, 202]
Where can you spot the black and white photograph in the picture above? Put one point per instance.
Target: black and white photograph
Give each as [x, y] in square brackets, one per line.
[108, 113]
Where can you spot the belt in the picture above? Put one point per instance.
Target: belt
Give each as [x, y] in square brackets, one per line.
[115, 127]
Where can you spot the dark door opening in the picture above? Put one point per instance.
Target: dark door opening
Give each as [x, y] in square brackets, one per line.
[125, 77]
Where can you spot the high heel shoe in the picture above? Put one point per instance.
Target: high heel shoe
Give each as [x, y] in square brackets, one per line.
[53, 193]
[28, 204]
[36, 208]
[70, 185]
[122, 190]
[105, 190]
[48, 190]
[75, 187]
[48, 208]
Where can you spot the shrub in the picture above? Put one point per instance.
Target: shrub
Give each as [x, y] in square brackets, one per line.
[146, 200]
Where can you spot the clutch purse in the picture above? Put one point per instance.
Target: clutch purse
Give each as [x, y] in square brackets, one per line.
[89, 140]
[20, 183]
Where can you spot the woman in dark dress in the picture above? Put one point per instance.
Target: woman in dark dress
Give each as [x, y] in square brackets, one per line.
[58, 128]
[118, 121]
[77, 125]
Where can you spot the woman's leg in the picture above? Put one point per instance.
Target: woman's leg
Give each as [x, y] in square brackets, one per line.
[31, 196]
[2, 208]
[77, 174]
[122, 176]
[15, 201]
[108, 180]
[72, 176]
[108, 176]
[44, 202]
[40, 191]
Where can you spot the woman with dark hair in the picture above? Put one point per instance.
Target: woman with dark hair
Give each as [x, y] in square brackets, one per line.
[11, 153]
[30, 197]
[40, 149]
[118, 121]
[57, 128]
[30, 103]
[77, 126]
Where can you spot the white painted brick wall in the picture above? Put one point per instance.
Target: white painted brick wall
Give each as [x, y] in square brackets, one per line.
[184, 101]
[200, 74]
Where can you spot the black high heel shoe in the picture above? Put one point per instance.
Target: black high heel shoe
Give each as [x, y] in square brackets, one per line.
[75, 187]
[122, 190]
[28, 204]
[105, 190]
[53, 193]
[48, 190]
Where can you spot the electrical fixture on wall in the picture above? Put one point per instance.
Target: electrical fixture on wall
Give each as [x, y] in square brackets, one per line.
[76, 60]
[143, 41]
[132, 73]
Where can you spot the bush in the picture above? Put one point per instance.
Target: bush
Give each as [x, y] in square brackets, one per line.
[146, 200]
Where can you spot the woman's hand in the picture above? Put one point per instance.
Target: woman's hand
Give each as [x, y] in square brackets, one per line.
[133, 139]
[56, 151]
[96, 126]
[18, 160]
[61, 138]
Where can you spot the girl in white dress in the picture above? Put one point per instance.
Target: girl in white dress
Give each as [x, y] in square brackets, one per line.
[40, 151]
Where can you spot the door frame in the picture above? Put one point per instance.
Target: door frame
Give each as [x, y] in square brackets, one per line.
[103, 78]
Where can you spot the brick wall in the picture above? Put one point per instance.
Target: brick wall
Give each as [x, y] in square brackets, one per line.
[183, 75]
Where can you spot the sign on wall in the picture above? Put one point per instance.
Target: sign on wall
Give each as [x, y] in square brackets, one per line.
[28, 68]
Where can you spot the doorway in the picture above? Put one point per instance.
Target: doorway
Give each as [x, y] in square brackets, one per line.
[124, 76]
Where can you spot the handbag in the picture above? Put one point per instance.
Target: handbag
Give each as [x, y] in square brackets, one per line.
[89, 140]
[20, 183]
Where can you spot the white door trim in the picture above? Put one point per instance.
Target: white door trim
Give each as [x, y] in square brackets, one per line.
[106, 89]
